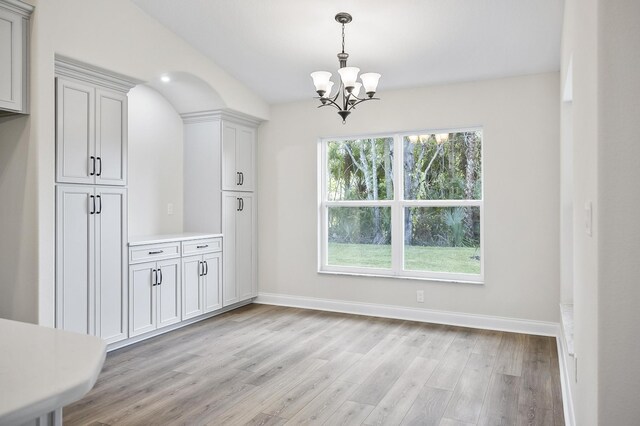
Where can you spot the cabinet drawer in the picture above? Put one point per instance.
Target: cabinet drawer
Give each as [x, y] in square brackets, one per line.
[208, 245]
[152, 252]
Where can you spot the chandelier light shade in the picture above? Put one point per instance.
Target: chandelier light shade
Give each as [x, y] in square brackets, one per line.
[348, 94]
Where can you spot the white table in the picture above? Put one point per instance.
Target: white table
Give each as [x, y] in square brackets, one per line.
[42, 370]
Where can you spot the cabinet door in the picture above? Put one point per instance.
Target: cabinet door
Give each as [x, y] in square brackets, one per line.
[192, 297]
[75, 136]
[111, 137]
[230, 176]
[142, 298]
[212, 281]
[169, 292]
[245, 248]
[111, 264]
[75, 281]
[245, 158]
[230, 205]
[11, 60]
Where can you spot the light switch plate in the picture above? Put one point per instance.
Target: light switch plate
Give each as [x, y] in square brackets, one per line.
[170, 208]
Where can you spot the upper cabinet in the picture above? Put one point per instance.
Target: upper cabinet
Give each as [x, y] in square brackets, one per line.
[219, 155]
[91, 125]
[238, 157]
[14, 56]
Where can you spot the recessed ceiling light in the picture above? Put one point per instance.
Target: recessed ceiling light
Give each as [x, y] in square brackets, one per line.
[165, 79]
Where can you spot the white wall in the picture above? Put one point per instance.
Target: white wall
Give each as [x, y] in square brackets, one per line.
[520, 117]
[619, 219]
[18, 236]
[579, 42]
[155, 164]
[112, 34]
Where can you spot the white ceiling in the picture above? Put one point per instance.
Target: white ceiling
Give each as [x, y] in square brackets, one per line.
[272, 45]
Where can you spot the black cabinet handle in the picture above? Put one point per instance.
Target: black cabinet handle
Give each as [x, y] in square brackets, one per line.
[156, 252]
[200, 269]
[241, 204]
[160, 271]
[206, 270]
[99, 205]
[204, 246]
[154, 277]
[93, 165]
[93, 204]
[241, 178]
[237, 178]
[238, 208]
[100, 166]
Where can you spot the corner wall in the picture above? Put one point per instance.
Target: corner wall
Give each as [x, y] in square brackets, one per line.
[520, 118]
[156, 143]
[619, 220]
[18, 235]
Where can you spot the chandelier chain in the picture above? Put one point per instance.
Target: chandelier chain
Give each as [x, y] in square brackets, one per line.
[342, 38]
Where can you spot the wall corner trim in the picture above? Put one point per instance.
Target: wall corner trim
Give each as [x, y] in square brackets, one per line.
[514, 325]
[563, 360]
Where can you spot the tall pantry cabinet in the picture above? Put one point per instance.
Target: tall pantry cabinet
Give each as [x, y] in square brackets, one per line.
[219, 193]
[91, 200]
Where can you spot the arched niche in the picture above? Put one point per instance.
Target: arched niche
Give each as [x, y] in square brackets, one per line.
[187, 92]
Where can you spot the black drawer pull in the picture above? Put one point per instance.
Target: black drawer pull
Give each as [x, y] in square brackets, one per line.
[204, 246]
[156, 252]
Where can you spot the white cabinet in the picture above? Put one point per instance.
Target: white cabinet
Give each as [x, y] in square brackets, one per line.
[219, 185]
[154, 295]
[91, 262]
[14, 56]
[201, 282]
[238, 157]
[91, 134]
[240, 260]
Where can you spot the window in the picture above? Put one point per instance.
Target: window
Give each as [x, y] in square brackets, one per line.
[403, 205]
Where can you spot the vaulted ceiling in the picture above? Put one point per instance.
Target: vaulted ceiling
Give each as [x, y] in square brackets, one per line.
[272, 45]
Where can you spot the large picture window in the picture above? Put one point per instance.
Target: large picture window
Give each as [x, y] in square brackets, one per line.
[403, 205]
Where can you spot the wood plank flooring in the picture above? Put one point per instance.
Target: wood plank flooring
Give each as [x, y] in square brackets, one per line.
[267, 365]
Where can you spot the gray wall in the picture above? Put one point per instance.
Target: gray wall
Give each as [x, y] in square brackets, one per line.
[520, 117]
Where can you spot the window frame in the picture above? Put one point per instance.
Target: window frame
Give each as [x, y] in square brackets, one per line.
[398, 205]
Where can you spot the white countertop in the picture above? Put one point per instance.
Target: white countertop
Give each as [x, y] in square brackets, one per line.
[169, 238]
[43, 369]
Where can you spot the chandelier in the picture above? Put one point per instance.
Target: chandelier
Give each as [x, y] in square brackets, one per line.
[347, 96]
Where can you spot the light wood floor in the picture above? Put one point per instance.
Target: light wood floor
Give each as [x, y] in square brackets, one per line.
[267, 365]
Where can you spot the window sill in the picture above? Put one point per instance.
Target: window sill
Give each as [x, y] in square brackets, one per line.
[402, 277]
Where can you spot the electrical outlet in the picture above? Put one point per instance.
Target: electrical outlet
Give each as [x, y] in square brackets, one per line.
[420, 296]
[170, 208]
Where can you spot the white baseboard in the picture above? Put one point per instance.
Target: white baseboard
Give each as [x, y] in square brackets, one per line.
[513, 325]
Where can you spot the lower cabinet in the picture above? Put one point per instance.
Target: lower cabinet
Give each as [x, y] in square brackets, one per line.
[240, 260]
[201, 284]
[91, 277]
[173, 280]
[154, 295]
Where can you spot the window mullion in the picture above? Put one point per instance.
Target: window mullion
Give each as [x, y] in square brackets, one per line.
[397, 213]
